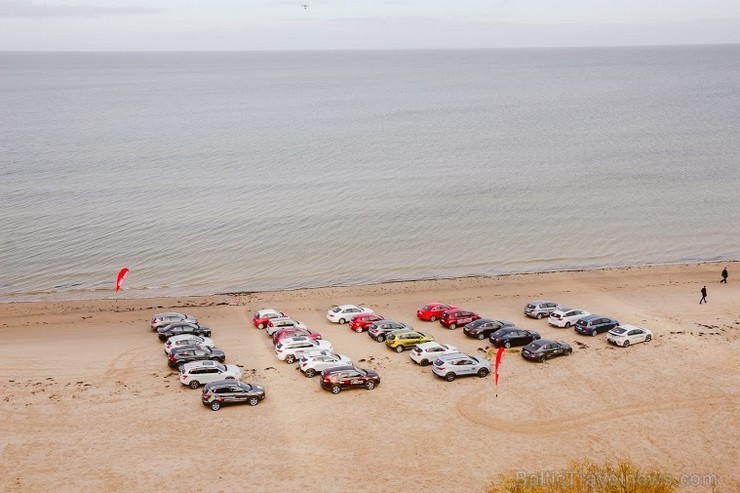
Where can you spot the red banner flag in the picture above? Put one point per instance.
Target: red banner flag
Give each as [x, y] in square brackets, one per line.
[121, 276]
[499, 356]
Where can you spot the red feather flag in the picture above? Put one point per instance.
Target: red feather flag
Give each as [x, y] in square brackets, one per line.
[121, 276]
[499, 357]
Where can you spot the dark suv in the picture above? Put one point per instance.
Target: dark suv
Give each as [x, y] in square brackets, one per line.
[217, 394]
[179, 328]
[592, 325]
[194, 353]
[483, 327]
[454, 318]
[339, 378]
[512, 336]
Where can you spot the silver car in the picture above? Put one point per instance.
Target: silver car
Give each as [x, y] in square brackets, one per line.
[317, 361]
[162, 319]
[450, 366]
[277, 324]
[539, 308]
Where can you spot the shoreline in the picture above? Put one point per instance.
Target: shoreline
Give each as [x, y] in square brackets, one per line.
[70, 370]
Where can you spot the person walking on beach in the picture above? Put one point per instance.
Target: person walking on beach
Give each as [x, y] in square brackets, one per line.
[703, 295]
[724, 276]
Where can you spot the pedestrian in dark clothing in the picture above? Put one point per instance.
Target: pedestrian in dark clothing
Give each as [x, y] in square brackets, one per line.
[724, 275]
[703, 295]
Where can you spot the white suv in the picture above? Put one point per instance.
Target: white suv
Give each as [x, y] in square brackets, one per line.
[426, 352]
[283, 323]
[292, 348]
[195, 373]
[565, 317]
[183, 340]
[540, 308]
[317, 361]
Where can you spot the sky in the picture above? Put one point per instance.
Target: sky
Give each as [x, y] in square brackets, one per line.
[203, 25]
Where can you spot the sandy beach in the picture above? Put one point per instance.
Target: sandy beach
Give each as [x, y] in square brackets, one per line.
[88, 403]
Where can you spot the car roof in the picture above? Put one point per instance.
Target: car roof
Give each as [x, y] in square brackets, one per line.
[200, 364]
[588, 318]
[343, 307]
[430, 344]
[334, 369]
[445, 357]
[630, 327]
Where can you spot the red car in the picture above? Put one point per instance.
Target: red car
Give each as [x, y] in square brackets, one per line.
[433, 311]
[292, 332]
[361, 322]
[263, 317]
[454, 318]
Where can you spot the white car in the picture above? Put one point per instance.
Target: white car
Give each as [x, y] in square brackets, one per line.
[195, 373]
[186, 340]
[565, 317]
[291, 349]
[162, 319]
[283, 323]
[317, 361]
[426, 352]
[263, 317]
[343, 313]
[624, 335]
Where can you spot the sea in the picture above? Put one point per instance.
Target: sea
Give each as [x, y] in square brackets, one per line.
[223, 172]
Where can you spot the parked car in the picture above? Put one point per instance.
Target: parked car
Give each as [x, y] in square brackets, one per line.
[513, 336]
[483, 327]
[263, 317]
[543, 349]
[433, 311]
[186, 354]
[217, 394]
[591, 325]
[426, 352]
[186, 340]
[318, 361]
[540, 308]
[626, 335]
[162, 319]
[360, 323]
[565, 317]
[406, 339]
[343, 313]
[339, 378]
[451, 366]
[195, 373]
[277, 324]
[283, 333]
[379, 330]
[179, 328]
[294, 348]
[455, 318]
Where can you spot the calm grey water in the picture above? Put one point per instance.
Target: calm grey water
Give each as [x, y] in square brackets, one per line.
[215, 172]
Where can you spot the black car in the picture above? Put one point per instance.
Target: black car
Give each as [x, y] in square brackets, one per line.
[483, 328]
[217, 394]
[592, 325]
[339, 378]
[380, 329]
[177, 328]
[543, 349]
[186, 354]
[513, 336]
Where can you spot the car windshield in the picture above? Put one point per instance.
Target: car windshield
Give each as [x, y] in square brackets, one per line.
[336, 310]
[499, 333]
[619, 331]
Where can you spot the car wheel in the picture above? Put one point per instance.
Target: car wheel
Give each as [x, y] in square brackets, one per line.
[336, 389]
[370, 385]
[215, 405]
[310, 373]
[342, 321]
[194, 384]
[568, 351]
[261, 326]
[358, 330]
[253, 401]
[541, 359]
[433, 318]
[483, 372]
[594, 333]
[539, 316]
[450, 377]
[221, 360]
[648, 338]
[481, 337]
[380, 338]
[567, 324]
[626, 344]
[423, 362]
[507, 344]
[290, 359]
[399, 349]
[453, 326]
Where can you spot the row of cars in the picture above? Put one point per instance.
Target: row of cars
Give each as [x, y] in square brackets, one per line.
[189, 348]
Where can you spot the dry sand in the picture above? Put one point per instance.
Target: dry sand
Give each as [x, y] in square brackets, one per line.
[88, 403]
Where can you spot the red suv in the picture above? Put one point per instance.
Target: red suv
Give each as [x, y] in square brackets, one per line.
[433, 311]
[360, 323]
[453, 319]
